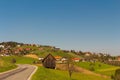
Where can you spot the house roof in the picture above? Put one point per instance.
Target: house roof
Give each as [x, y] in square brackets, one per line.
[75, 58]
[58, 57]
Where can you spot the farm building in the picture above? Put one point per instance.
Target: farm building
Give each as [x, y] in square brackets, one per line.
[76, 59]
[64, 60]
[49, 62]
[58, 58]
[118, 58]
[88, 54]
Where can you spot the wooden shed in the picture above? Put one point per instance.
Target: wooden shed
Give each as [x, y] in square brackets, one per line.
[49, 62]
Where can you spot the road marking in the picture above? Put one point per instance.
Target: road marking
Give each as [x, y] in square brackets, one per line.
[33, 73]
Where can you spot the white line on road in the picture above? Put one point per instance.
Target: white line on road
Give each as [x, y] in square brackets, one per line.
[33, 73]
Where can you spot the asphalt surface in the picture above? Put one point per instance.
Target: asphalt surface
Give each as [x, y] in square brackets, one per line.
[23, 72]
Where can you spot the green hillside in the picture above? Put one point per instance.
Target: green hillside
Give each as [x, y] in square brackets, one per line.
[6, 65]
[42, 51]
[98, 67]
[49, 74]
[19, 59]
[19, 52]
[14, 48]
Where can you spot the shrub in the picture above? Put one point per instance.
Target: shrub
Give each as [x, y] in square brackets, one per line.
[99, 65]
[92, 68]
[13, 60]
[117, 75]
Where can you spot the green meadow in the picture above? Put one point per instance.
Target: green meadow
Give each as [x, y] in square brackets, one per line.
[6, 62]
[50, 74]
[45, 50]
[6, 65]
[19, 59]
[98, 67]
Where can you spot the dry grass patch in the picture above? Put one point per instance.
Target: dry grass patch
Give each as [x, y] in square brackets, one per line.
[1, 63]
[32, 56]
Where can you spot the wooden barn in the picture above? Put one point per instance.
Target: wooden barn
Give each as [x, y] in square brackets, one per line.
[49, 62]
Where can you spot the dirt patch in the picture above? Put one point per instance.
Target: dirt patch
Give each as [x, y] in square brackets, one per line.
[90, 72]
[61, 67]
[32, 56]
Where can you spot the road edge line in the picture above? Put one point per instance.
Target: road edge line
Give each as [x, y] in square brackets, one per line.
[36, 68]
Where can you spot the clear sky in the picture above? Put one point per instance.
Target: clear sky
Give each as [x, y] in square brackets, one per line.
[86, 25]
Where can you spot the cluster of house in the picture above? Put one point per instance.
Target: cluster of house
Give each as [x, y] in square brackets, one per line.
[60, 59]
[99, 55]
[118, 58]
[50, 61]
[4, 50]
[7, 51]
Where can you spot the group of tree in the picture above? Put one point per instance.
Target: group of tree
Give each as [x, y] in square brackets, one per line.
[114, 63]
[10, 44]
[102, 57]
[116, 76]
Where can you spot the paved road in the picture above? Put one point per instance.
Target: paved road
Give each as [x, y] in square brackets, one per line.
[23, 72]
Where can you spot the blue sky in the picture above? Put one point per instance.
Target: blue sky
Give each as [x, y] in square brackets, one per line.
[87, 25]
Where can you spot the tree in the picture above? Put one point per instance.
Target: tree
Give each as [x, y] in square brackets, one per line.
[70, 66]
[117, 75]
[13, 60]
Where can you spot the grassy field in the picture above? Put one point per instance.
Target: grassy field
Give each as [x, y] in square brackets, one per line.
[6, 65]
[19, 60]
[6, 62]
[44, 51]
[99, 67]
[49, 74]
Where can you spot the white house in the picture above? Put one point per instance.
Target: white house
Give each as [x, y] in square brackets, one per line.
[76, 59]
[40, 59]
[18, 45]
[64, 60]
[2, 46]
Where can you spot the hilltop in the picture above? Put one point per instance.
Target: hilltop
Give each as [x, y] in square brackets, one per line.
[15, 48]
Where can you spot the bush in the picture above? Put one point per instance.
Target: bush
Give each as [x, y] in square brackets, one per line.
[92, 68]
[117, 75]
[13, 60]
[99, 65]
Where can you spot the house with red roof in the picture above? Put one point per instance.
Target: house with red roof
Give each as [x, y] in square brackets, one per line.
[76, 59]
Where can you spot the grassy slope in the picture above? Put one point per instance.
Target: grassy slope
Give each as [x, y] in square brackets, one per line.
[42, 73]
[5, 62]
[6, 65]
[104, 69]
[58, 75]
[20, 60]
[48, 74]
[44, 51]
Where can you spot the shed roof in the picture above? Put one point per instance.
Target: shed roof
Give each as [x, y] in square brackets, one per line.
[48, 56]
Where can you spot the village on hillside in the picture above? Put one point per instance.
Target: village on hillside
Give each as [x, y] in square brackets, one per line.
[54, 58]
[61, 56]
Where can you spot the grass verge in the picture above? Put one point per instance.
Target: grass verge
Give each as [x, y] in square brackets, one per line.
[50, 74]
[6, 65]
